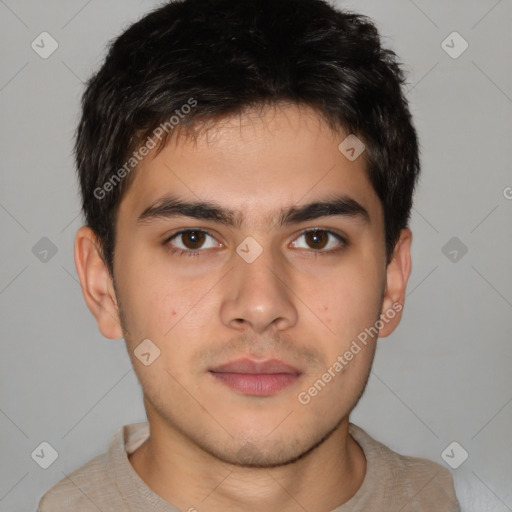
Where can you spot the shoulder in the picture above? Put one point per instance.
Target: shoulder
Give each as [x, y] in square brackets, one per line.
[95, 485]
[413, 483]
[425, 483]
[80, 489]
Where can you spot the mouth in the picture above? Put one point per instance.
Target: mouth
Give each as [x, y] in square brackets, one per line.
[256, 378]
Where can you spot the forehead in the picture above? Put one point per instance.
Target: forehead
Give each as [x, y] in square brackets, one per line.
[254, 164]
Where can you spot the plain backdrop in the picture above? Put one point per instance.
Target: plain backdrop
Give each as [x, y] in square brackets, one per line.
[443, 376]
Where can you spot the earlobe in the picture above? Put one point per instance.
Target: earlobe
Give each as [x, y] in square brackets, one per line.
[96, 283]
[397, 276]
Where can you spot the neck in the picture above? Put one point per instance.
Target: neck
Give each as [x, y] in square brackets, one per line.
[191, 479]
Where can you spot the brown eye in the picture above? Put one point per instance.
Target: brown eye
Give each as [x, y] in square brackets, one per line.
[320, 240]
[317, 239]
[193, 239]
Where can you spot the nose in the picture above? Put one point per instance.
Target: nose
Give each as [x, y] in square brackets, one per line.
[258, 296]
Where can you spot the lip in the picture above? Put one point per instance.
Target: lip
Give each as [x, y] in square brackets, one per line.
[256, 378]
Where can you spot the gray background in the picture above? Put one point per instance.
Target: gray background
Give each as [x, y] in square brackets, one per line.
[444, 375]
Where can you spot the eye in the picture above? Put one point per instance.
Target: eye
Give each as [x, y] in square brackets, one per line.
[320, 240]
[191, 240]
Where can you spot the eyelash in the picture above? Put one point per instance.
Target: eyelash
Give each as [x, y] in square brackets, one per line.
[181, 252]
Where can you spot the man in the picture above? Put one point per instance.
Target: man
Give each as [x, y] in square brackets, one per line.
[247, 172]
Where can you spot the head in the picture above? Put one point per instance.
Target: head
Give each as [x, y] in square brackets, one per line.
[229, 120]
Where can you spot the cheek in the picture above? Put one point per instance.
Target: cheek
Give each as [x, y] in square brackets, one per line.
[349, 305]
[347, 300]
[153, 296]
[174, 312]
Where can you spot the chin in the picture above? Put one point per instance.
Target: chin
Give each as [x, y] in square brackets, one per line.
[266, 453]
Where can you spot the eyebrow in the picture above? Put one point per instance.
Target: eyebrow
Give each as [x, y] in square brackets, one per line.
[171, 207]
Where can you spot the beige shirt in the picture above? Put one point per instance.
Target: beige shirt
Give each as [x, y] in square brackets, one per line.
[108, 483]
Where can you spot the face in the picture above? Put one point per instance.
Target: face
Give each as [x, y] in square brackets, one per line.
[252, 258]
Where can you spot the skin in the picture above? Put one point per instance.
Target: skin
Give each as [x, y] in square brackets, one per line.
[211, 447]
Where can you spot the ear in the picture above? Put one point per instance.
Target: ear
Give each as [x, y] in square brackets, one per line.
[97, 284]
[397, 275]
